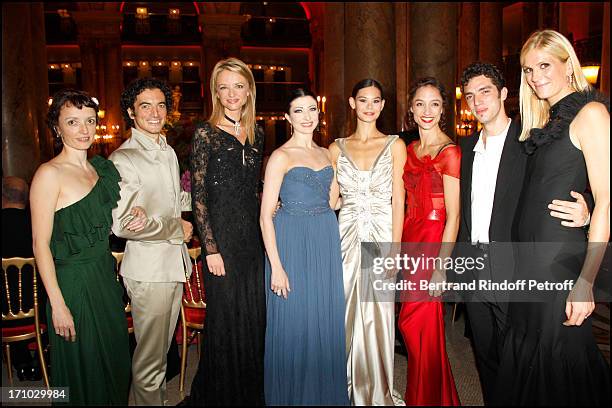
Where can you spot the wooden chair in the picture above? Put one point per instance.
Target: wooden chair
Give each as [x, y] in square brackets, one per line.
[193, 311]
[126, 299]
[15, 312]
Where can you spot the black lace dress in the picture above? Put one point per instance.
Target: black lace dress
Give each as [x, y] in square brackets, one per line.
[544, 362]
[224, 186]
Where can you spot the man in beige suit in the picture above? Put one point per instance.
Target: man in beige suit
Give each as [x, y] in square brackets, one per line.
[156, 259]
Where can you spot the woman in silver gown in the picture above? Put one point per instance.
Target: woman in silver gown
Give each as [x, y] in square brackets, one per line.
[369, 167]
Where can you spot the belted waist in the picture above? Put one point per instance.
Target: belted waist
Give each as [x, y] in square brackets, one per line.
[358, 199]
[82, 260]
[433, 215]
[483, 246]
[298, 208]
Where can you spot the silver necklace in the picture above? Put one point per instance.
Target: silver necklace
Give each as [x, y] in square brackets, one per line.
[236, 124]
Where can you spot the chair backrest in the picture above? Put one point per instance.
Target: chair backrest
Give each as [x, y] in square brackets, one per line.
[16, 287]
[193, 294]
[126, 299]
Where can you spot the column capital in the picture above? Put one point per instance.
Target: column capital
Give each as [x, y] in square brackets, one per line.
[221, 26]
[98, 25]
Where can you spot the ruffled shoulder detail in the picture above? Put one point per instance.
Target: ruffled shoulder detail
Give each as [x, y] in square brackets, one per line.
[561, 115]
[88, 221]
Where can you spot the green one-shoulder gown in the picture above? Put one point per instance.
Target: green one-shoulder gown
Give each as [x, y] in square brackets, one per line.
[96, 367]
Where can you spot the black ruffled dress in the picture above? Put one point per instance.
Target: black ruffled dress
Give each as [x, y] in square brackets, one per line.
[544, 362]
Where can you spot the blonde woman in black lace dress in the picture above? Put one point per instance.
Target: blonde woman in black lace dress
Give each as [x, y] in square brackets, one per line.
[225, 167]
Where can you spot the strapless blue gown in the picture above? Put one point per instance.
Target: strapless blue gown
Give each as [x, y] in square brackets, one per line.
[305, 361]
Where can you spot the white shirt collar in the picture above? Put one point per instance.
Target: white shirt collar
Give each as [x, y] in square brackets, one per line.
[493, 141]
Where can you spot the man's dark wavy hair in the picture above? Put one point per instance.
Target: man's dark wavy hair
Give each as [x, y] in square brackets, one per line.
[483, 68]
[135, 88]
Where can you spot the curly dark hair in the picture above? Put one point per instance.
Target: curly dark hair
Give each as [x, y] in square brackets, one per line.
[427, 81]
[68, 97]
[135, 88]
[483, 68]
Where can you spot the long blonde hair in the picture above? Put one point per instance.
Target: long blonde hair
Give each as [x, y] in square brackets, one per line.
[534, 111]
[247, 116]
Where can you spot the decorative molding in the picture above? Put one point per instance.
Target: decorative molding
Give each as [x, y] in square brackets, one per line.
[98, 24]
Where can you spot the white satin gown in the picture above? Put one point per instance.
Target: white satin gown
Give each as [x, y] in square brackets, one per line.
[366, 216]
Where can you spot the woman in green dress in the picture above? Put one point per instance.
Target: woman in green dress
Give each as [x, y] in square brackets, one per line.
[71, 200]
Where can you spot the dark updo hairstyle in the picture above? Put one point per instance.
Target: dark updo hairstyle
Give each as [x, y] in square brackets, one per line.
[483, 68]
[68, 97]
[135, 88]
[427, 81]
[364, 83]
[298, 93]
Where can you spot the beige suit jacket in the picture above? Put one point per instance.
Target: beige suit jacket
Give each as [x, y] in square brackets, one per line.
[150, 179]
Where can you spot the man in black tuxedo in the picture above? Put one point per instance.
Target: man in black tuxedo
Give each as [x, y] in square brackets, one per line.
[492, 171]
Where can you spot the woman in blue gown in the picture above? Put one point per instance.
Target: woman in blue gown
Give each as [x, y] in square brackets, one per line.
[304, 360]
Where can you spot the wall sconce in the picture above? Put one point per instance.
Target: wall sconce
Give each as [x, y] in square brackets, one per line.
[591, 72]
[101, 113]
[142, 13]
[142, 21]
[65, 21]
[174, 21]
[458, 93]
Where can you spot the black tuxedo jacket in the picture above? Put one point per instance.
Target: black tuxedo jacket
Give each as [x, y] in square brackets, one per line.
[508, 187]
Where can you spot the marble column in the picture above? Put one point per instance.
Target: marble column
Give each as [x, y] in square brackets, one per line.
[402, 62]
[25, 139]
[469, 41]
[220, 39]
[604, 84]
[99, 42]
[89, 50]
[113, 82]
[39, 53]
[548, 15]
[369, 52]
[333, 61]
[491, 33]
[469, 36]
[529, 20]
[433, 49]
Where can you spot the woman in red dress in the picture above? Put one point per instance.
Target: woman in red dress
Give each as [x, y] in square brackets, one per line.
[431, 178]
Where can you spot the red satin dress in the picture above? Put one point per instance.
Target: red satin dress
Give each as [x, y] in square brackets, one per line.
[421, 321]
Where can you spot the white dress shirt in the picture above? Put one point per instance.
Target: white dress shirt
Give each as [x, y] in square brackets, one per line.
[484, 179]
